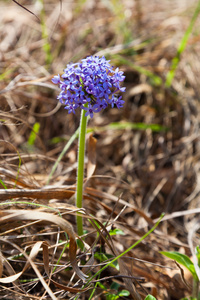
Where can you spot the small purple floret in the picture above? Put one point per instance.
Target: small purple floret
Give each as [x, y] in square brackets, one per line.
[56, 79]
[91, 81]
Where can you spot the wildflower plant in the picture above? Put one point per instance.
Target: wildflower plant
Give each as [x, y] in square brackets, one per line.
[91, 86]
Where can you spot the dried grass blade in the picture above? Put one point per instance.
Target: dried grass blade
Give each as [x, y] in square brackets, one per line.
[91, 156]
[13, 215]
[1, 264]
[45, 193]
[128, 282]
[69, 289]
[113, 198]
[29, 262]
[33, 254]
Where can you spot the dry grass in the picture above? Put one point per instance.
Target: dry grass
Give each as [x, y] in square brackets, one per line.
[136, 174]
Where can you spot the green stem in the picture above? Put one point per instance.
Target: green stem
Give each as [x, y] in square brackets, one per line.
[80, 170]
[195, 290]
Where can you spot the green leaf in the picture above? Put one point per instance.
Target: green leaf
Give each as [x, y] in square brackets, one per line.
[106, 257]
[183, 260]
[114, 286]
[150, 297]
[103, 287]
[116, 231]
[112, 297]
[56, 140]
[124, 293]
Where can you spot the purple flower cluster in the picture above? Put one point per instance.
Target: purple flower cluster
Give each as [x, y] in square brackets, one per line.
[91, 85]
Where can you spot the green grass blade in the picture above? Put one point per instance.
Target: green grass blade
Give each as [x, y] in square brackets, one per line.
[6, 73]
[155, 79]
[181, 48]
[33, 134]
[127, 250]
[71, 140]
[46, 46]
[139, 126]
[3, 184]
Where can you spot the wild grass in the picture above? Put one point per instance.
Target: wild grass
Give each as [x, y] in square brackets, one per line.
[144, 162]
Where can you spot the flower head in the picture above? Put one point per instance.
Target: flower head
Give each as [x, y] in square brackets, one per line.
[91, 85]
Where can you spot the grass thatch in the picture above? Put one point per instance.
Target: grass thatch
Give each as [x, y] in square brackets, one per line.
[144, 161]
